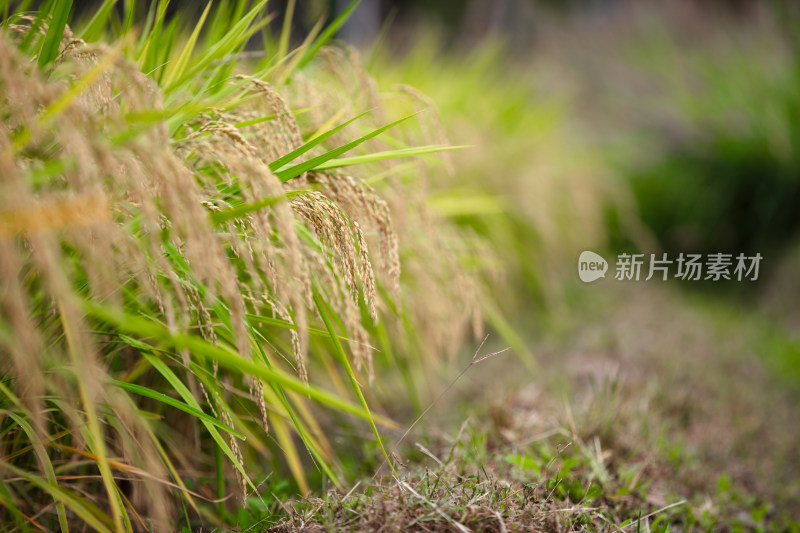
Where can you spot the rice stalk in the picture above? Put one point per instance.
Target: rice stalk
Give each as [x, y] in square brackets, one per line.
[168, 234]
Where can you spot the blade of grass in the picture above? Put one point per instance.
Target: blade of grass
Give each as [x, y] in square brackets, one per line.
[328, 33]
[82, 507]
[230, 43]
[177, 68]
[7, 501]
[346, 363]
[301, 431]
[127, 468]
[187, 396]
[219, 468]
[286, 325]
[379, 42]
[286, 30]
[44, 460]
[296, 170]
[163, 52]
[146, 35]
[130, 16]
[274, 396]
[322, 443]
[289, 63]
[94, 29]
[510, 335]
[147, 55]
[168, 400]
[94, 434]
[55, 31]
[220, 217]
[135, 325]
[328, 124]
[184, 491]
[294, 154]
[290, 452]
[382, 156]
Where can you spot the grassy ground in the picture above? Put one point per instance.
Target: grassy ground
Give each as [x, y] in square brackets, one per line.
[654, 410]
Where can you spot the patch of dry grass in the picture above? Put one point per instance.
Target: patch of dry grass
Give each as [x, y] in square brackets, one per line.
[653, 407]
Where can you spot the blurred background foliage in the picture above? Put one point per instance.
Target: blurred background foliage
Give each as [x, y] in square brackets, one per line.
[675, 123]
[691, 105]
[682, 116]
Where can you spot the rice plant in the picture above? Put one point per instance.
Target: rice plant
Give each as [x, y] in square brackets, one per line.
[205, 252]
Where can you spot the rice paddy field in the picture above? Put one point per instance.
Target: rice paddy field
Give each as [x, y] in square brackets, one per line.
[310, 266]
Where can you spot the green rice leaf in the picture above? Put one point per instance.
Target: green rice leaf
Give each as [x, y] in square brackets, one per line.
[339, 350]
[79, 505]
[227, 358]
[299, 427]
[41, 454]
[222, 216]
[230, 43]
[55, 31]
[296, 170]
[382, 156]
[177, 68]
[328, 34]
[291, 156]
[94, 29]
[168, 400]
[186, 394]
[286, 30]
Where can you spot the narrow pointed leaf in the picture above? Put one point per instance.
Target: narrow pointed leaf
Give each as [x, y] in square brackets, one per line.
[180, 64]
[291, 156]
[382, 156]
[186, 394]
[353, 381]
[296, 170]
[94, 29]
[135, 325]
[55, 31]
[177, 404]
[329, 33]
